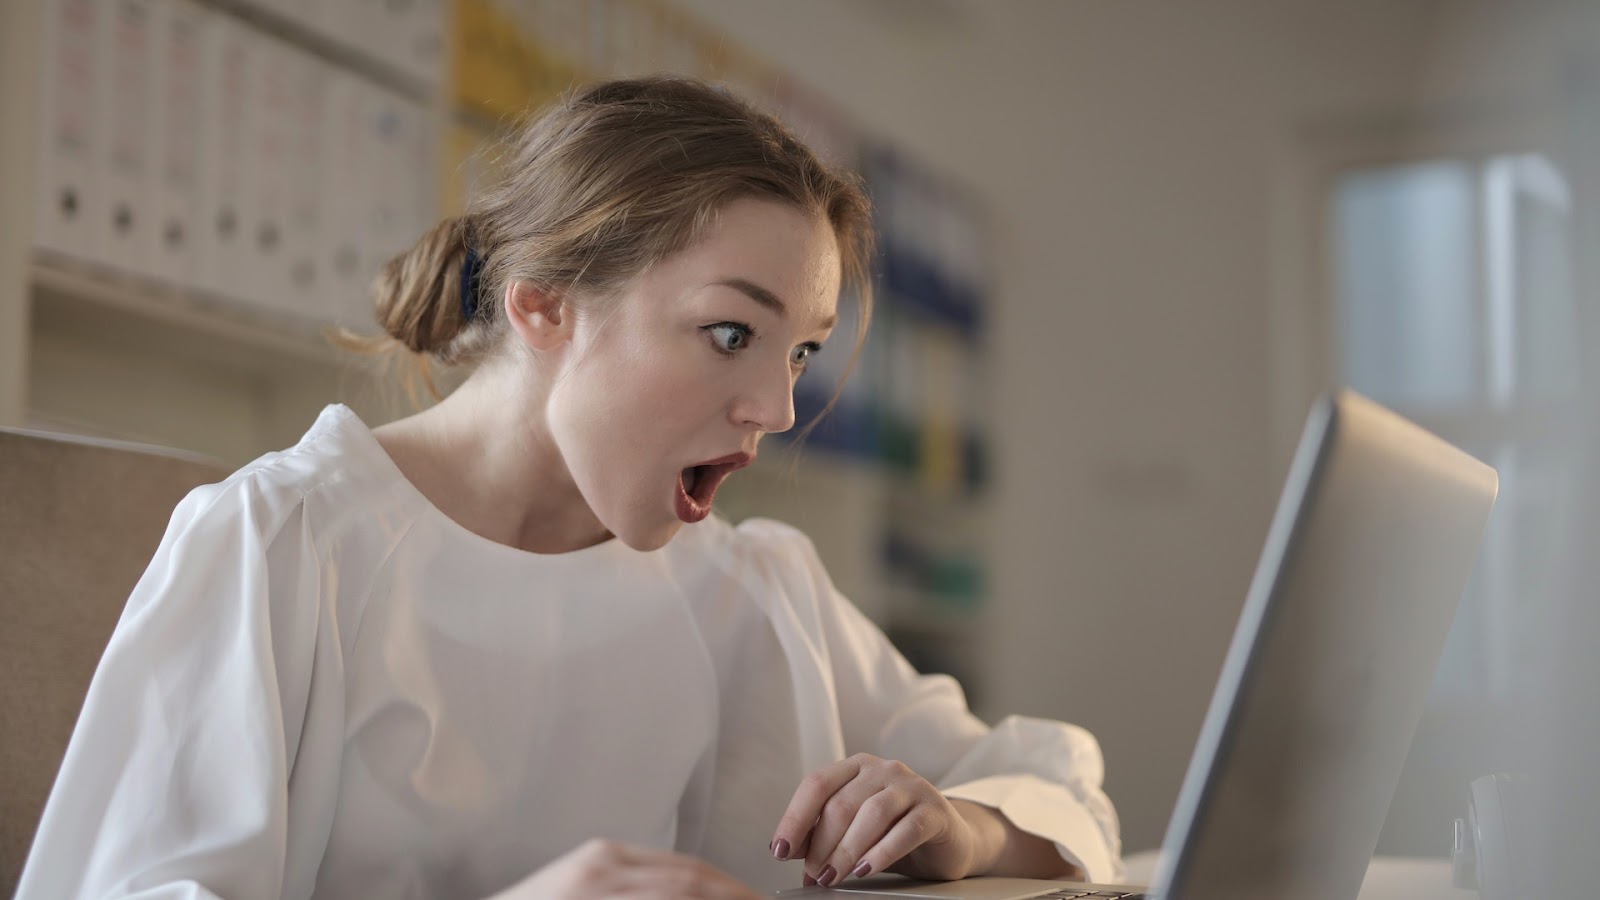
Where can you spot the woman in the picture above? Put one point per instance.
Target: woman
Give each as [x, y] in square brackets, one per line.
[501, 647]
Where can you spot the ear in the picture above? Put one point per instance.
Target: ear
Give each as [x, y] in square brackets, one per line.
[538, 317]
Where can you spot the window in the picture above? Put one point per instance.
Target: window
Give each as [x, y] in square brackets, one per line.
[1454, 304]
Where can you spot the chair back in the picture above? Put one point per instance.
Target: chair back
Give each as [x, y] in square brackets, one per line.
[80, 519]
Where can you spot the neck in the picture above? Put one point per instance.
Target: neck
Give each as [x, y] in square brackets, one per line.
[484, 456]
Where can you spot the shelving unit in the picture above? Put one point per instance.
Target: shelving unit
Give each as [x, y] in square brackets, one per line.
[890, 489]
[90, 347]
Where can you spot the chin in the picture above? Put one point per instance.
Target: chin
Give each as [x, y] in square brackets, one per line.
[647, 539]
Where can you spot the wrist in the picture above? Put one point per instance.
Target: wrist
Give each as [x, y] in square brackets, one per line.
[988, 829]
[1001, 848]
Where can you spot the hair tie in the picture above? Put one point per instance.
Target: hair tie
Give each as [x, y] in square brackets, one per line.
[470, 267]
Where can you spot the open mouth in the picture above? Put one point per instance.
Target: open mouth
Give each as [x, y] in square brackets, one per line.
[697, 485]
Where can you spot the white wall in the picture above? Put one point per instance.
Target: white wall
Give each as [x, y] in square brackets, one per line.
[1140, 159]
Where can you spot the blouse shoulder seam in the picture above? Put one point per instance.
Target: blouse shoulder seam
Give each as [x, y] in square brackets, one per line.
[366, 595]
[251, 477]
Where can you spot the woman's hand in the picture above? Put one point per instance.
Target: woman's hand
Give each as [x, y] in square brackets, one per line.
[607, 869]
[864, 814]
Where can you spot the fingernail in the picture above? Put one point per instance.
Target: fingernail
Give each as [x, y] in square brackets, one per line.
[780, 849]
[808, 881]
[826, 876]
[862, 870]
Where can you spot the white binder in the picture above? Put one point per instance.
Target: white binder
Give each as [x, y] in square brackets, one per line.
[126, 71]
[177, 34]
[400, 196]
[407, 35]
[345, 172]
[354, 23]
[387, 204]
[426, 146]
[419, 40]
[411, 178]
[67, 211]
[385, 34]
[307, 142]
[265, 272]
[222, 257]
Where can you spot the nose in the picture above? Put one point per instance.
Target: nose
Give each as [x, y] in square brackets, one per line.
[768, 402]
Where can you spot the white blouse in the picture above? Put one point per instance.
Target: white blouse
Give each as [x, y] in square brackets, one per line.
[324, 687]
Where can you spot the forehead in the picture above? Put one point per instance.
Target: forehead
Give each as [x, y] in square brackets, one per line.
[793, 255]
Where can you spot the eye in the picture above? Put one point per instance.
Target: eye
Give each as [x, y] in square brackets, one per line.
[730, 337]
[803, 353]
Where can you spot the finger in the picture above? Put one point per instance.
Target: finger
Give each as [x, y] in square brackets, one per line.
[681, 877]
[710, 892]
[872, 824]
[635, 855]
[805, 807]
[646, 865]
[614, 869]
[918, 826]
[839, 814]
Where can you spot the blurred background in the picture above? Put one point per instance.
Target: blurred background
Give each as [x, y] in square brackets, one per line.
[1124, 245]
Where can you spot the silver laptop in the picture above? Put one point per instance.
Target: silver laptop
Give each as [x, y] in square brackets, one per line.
[1365, 563]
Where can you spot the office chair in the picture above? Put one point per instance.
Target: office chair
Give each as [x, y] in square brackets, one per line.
[80, 519]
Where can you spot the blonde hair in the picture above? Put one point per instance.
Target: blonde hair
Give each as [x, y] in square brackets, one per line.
[613, 178]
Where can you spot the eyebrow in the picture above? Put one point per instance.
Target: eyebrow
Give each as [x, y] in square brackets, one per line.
[766, 298]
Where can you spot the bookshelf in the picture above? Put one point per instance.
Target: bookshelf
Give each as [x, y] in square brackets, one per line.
[891, 487]
[79, 327]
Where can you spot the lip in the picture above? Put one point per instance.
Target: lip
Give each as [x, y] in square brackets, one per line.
[735, 461]
[694, 507]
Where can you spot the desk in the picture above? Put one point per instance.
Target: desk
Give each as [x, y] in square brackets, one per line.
[1388, 878]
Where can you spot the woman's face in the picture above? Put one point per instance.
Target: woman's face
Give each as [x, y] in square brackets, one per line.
[690, 365]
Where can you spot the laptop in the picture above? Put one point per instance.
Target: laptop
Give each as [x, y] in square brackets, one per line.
[1365, 563]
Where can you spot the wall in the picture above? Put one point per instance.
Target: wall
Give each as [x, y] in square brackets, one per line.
[1152, 347]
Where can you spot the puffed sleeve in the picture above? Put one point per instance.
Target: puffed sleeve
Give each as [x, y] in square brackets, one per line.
[1044, 776]
[175, 782]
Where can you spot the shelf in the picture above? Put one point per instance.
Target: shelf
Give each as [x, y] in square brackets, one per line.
[74, 296]
[330, 50]
[127, 357]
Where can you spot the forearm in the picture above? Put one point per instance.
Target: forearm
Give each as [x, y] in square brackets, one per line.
[1004, 849]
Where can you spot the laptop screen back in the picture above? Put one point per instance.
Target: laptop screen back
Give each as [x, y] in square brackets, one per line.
[1365, 564]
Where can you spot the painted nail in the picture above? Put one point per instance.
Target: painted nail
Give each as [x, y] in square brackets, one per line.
[780, 849]
[863, 870]
[807, 881]
[826, 876]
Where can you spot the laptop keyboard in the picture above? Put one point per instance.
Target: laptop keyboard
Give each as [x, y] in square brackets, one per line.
[1076, 894]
